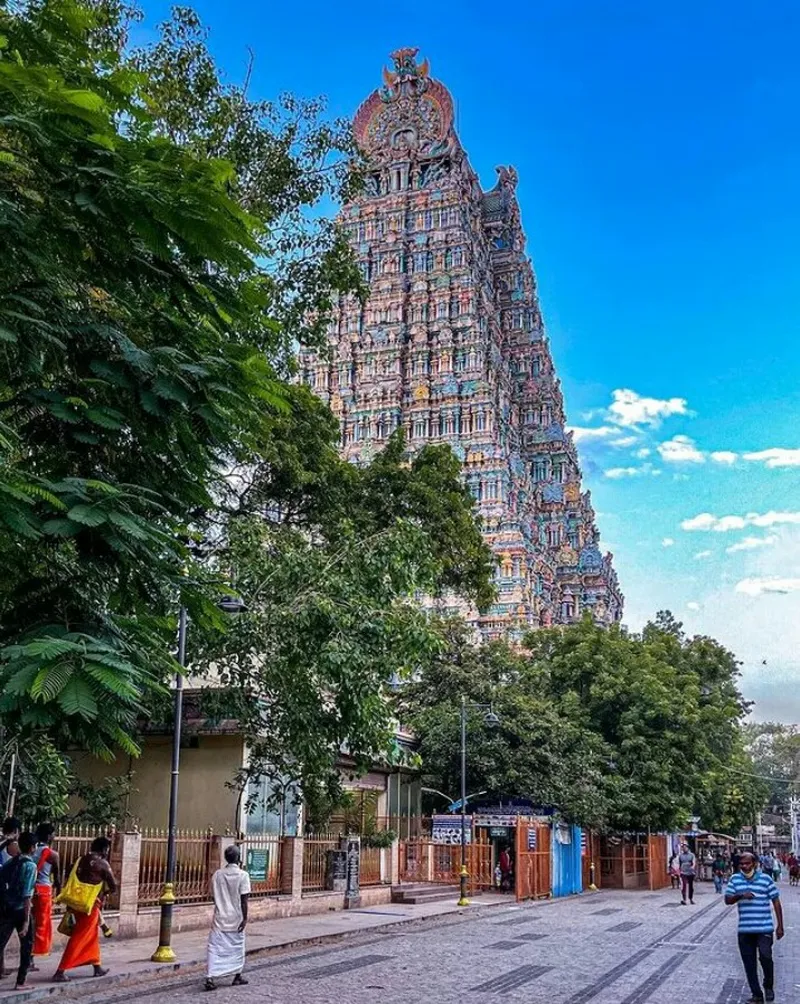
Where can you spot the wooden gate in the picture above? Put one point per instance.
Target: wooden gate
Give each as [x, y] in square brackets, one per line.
[659, 874]
[533, 875]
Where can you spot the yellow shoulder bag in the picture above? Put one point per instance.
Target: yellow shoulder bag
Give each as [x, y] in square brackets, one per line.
[80, 897]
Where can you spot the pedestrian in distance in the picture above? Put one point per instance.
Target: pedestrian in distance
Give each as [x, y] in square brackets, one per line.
[753, 891]
[718, 869]
[83, 892]
[675, 872]
[687, 864]
[230, 890]
[48, 881]
[17, 881]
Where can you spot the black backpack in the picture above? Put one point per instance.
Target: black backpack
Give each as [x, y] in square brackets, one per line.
[11, 884]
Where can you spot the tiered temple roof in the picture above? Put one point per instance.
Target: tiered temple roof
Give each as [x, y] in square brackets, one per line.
[451, 345]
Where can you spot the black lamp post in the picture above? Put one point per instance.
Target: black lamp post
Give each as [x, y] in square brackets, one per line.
[490, 720]
[165, 951]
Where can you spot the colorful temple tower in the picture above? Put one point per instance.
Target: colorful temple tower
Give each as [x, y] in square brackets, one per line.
[451, 346]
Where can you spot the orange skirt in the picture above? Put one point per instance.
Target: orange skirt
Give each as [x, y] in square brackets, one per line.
[83, 947]
[43, 919]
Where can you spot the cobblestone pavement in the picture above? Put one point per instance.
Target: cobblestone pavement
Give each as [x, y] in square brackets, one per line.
[606, 948]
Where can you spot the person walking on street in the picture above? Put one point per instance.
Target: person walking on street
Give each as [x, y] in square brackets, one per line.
[675, 872]
[83, 947]
[718, 869]
[230, 889]
[753, 890]
[17, 879]
[48, 881]
[687, 864]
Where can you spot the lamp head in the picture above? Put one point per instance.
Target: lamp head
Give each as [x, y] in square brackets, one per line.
[491, 720]
[232, 605]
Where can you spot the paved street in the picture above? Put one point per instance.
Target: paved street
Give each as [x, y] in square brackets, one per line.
[609, 948]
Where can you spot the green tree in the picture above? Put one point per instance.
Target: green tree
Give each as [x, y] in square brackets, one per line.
[535, 752]
[330, 559]
[143, 334]
[616, 729]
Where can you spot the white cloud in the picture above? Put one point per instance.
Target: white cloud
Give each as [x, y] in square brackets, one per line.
[644, 452]
[622, 472]
[722, 524]
[703, 521]
[693, 606]
[776, 456]
[751, 544]
[631, 409]
[625, 441]
[773, 518]
[702, 555]
[773, 584]
[585, 434]
[680, 450]
[667, 542]
[724, 457]
[726, 523]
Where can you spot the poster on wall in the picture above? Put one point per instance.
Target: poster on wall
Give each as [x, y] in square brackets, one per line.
[531, 838]
[447, 829]
[257, 863]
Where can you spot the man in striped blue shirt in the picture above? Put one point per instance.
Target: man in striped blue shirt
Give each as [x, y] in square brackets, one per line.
[755, 893]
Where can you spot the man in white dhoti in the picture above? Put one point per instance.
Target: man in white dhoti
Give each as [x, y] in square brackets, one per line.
[230, 888]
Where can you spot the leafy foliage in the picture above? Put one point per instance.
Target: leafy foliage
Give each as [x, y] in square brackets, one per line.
[621, 730]
[143, 332]
[41, 778]
[329, 559]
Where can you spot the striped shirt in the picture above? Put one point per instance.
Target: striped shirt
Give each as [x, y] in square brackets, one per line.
[755, 915]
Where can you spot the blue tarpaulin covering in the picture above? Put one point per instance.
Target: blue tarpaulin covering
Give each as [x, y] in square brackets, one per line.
[567, 870]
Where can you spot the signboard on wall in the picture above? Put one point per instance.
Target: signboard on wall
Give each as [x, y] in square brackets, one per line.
[491, 819]
[257, 863]
[447, 829]
[531, 838]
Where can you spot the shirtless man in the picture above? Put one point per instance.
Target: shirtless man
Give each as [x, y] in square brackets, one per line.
[83, 947]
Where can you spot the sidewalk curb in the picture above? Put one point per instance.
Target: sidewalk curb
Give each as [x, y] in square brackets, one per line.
[82, 986]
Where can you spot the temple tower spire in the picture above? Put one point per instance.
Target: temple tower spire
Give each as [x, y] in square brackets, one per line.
[451, 346]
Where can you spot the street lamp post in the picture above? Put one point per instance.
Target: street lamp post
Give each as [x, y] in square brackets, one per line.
[165, 951]
[490, 719]
[463, 901]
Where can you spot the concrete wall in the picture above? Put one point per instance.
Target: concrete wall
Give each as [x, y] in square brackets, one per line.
[204, 800]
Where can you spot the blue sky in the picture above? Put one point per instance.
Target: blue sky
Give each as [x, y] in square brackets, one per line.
[659, 157]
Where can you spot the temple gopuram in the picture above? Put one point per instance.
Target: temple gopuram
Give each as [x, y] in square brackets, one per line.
[451, 346]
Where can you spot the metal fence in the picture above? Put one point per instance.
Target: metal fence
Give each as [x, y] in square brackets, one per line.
[315, 850]
[195, 862]
[370, 866]
[262, 857]
[405, 827]
[414, 857]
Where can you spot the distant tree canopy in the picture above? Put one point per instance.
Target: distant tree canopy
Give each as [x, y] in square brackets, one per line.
[615, 729]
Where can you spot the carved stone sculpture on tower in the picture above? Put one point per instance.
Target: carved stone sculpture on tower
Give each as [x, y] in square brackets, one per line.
[451, 346]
